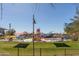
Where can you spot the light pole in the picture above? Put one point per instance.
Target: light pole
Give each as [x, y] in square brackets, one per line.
[34, 22]
[9, 30]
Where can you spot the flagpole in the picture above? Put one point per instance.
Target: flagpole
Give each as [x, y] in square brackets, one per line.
[33, 37]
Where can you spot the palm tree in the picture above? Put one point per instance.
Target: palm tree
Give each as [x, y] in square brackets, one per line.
[73, 27]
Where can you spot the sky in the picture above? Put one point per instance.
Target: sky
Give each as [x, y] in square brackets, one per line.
[49, 18]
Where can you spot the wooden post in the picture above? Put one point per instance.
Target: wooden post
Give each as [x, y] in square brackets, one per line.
[40, 51]
[65, 51]
[18, 51]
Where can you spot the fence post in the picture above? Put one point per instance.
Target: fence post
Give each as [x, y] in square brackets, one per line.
[54, 51]
[65, 51]
[40, 51]
[18, 51]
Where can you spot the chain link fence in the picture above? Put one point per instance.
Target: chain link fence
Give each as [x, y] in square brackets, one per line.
[40, 52]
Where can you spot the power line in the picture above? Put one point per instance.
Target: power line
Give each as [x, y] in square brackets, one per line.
[52, 5]
[34, 9]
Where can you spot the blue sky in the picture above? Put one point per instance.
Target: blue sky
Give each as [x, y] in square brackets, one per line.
[47, 18]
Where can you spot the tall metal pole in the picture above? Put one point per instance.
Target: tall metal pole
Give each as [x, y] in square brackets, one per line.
[9, 30]
[9, 26]
[33, 37]
[1, 12]
[34, 22]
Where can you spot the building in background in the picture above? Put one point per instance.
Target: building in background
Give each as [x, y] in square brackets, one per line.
[2, 31]
[38, 35]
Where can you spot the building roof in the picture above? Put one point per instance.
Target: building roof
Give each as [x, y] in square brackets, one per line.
[19, 33]
[3, 28]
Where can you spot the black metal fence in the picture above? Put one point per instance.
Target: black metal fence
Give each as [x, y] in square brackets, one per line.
[40, 52]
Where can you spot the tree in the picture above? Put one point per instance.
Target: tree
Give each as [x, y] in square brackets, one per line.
[10, 32]
[25, 34]
[72, 30]
[73, 27]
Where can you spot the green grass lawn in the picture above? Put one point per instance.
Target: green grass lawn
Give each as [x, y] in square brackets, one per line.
[47, 49]
[42, 45]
